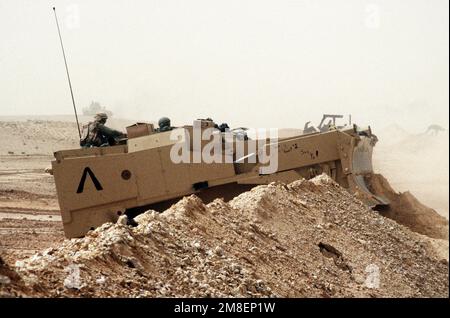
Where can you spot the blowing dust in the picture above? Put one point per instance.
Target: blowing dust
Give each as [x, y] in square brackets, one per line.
[417, 163]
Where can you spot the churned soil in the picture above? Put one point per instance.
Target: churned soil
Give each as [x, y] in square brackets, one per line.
[305, 239]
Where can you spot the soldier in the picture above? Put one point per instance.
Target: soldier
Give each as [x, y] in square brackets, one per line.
[222, 127]
[164, 124]
[96, 134]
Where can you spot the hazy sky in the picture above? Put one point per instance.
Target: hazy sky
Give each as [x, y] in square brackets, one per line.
[251, 63]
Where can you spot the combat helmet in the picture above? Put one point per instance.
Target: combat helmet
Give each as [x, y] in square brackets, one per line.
[164, 122]
[100, 116]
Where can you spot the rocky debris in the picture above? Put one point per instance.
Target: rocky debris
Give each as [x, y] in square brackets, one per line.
[11, 285]
[305, 239]
[440, 247]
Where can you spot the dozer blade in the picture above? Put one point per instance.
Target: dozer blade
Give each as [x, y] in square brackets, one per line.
[361, 169]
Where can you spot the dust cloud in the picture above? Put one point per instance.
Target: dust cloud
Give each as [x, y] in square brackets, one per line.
[415, 162]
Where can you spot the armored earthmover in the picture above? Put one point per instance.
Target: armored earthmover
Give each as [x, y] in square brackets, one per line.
[98, 185]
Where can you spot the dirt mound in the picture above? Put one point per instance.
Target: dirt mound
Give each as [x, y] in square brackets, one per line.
[305, 239]
[407, 210]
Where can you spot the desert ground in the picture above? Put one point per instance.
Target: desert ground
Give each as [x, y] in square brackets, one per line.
[29, 211]
[246, 247]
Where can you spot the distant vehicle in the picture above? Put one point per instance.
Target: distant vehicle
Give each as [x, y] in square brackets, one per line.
[434, 130]
[95, 108]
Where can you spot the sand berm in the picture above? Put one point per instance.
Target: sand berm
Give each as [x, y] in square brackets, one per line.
[305, 239]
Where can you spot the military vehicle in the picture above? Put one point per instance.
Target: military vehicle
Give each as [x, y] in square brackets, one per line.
[98, 185]
[95, 108]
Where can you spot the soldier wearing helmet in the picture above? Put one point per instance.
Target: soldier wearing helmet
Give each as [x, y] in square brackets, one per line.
[96, 134]
[164, 124]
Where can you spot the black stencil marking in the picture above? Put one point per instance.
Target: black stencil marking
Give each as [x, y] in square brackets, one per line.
[94, 179]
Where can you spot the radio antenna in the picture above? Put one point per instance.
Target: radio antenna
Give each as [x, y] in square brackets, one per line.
[67, 71]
